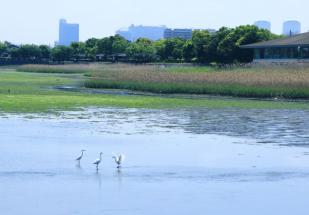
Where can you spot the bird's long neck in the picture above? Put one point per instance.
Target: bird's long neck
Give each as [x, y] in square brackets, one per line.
[82, 154]
[100, 157]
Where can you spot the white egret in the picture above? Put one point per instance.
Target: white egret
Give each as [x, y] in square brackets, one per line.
[98, 161]
[81, 156]
[118, 160]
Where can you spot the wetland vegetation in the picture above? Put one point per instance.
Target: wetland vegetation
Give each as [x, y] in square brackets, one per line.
[251, 82]
[33, 88]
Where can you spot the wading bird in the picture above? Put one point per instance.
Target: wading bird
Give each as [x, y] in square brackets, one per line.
[81, 156]
[118, 160]
[98, 161]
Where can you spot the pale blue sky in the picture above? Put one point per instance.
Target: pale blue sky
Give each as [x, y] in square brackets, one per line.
[36, 21]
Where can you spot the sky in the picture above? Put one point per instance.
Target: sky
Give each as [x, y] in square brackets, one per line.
[36, 21]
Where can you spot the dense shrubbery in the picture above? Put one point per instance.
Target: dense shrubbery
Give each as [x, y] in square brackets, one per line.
[222, 47]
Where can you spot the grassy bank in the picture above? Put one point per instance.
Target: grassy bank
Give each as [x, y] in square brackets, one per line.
[59, 69]
[256, 82]
[16, 83]
[35, 92]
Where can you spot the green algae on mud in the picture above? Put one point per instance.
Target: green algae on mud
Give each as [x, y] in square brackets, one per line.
[35, 92]
[13, 82]
[43, 103]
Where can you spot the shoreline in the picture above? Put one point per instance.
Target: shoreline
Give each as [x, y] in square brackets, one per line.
[126, 92]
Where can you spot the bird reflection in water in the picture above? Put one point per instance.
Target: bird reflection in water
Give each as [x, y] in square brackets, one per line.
[98, 177]
[78, 166]
[119, 175]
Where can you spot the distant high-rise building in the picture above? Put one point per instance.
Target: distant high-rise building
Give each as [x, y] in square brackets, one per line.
[68, 33]
[185, 33]
[291, 28]
[135, 32]
[266, 25]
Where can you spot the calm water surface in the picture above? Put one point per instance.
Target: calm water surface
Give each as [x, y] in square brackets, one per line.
[198, 161]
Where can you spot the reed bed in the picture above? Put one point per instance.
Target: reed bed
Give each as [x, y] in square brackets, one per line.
[268, 81]
[254, 81]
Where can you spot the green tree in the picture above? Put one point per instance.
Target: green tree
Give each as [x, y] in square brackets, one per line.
[112, 45]
[105, 46]
[119, 44]
[3, 48]
[91, 43]
[229, 48]
[91, 48]
[170, 49]
[174, 49]
[26, 52]
[177, 53]
[62, 53]
[216, 38]
[45, 51]
[159, 46]
[141, 51]
[78, 50]
[188, 51]
[201, 41]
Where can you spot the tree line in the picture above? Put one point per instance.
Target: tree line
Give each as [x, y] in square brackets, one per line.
[204, 47]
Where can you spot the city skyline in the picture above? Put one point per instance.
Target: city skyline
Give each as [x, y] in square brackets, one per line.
[37, 21]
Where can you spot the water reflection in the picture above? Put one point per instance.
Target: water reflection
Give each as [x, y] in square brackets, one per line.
[286, 127]
[98, 178]
[119, 176]
[78, 166]
[180, 171]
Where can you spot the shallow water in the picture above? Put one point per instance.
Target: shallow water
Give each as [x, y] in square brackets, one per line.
[198, 161]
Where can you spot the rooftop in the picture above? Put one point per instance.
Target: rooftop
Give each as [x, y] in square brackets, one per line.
[292, 41]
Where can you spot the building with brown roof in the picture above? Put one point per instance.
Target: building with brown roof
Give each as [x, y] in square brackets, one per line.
[293, 48]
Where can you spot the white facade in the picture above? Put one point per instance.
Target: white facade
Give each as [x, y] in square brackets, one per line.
[262, 24]
[291, 28]
[68, 33]
[133, 33]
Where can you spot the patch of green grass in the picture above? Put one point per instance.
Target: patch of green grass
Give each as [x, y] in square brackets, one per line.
[43, 103]
[34, 92]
